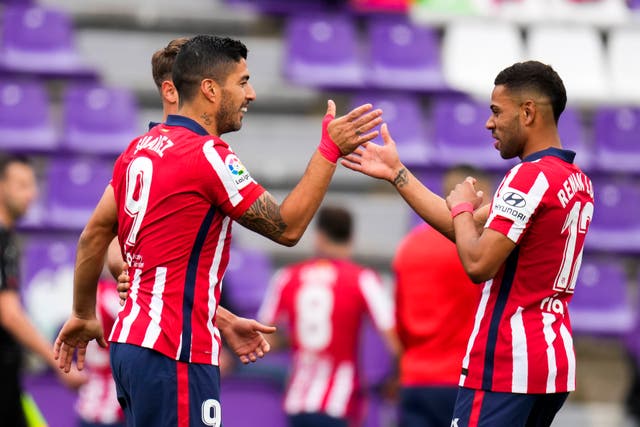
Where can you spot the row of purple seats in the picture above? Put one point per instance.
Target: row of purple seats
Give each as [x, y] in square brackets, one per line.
[95, 118]
[323, 50]
[40, 41]
[452, 130]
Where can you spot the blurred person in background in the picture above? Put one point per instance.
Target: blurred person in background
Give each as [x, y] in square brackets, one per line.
[323, 301]
[525, 248]
[18, 189]
[97, 404]
[172, 200]
[433, 316]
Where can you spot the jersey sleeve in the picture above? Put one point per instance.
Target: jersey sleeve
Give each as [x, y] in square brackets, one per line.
[271, 307]
[519, 196]
[231, 186]
[378, 301]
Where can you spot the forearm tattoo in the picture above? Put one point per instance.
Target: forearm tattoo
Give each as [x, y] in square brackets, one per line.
[401, 179]
[264, 217]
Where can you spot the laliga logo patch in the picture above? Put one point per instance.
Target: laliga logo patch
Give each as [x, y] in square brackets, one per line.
[239, 173]
[514, 199]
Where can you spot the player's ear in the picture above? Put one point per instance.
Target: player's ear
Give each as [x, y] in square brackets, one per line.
[209, 89]
[528, 112]
[169, 92]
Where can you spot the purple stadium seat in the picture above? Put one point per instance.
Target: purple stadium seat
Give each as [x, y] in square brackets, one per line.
[403, 56]
[616, 139]
[616, 223]
[376, 363]
[322, 50]
[403, 114]
[246, 280]
[285, 6]
[634, 5]
[600, 304]
[75, 187]
[265, 399]
[460, 135]
[99, 119]
[40, 40]
[572, 135]
[47, 279]
[25, 120]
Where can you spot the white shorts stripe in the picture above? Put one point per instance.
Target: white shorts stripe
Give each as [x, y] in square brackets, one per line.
[550, 336]
[155, 308]
[519, 380]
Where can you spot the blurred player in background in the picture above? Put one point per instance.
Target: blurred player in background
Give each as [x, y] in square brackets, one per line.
[18, 190]
[97, 404]
[323, 301]
[526, 249]
[433, 316]
[174, 194]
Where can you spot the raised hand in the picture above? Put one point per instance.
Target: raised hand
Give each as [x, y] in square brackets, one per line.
[354, 128]
[465, 192]
[377, 161]
[75, 335]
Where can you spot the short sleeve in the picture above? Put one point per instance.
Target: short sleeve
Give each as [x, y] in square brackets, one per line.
[271, 306]
[519, 197]
[231, 186]
[378, 301]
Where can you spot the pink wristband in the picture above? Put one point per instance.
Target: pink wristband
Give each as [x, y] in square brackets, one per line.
[460, 208]
[327, 147]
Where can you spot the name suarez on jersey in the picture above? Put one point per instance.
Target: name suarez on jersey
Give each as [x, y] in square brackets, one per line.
[158, 144]
[574, 183]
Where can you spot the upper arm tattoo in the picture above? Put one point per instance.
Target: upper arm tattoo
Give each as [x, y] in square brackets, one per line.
[263, 217]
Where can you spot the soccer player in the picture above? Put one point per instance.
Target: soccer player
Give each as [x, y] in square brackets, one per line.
[173, 198]
[18, 189]
[323, 300]
[520, 364]
[433, 320]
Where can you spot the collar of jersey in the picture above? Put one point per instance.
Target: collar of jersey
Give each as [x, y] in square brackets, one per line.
[186, 122]
[566, 155]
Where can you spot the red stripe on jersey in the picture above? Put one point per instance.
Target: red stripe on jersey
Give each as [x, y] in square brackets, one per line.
[476, 407]
[182, 373]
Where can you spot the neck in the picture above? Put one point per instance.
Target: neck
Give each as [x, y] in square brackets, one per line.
[5, 219]
[334, 250]
[204, 118]
[543, 140]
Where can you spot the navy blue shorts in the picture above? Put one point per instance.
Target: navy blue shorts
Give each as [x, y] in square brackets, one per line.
[478, 408]
[426, 406]
[155, 390]
[315, 419]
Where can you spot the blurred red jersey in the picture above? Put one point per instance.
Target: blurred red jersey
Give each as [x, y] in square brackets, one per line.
[521, 341]
[324, 302]
[435, 302]
[97, 400]
[178, 190]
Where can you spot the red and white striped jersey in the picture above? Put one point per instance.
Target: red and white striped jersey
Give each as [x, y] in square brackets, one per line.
[324, 302]
[521, 341]
[97, 400]
[177, 189]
